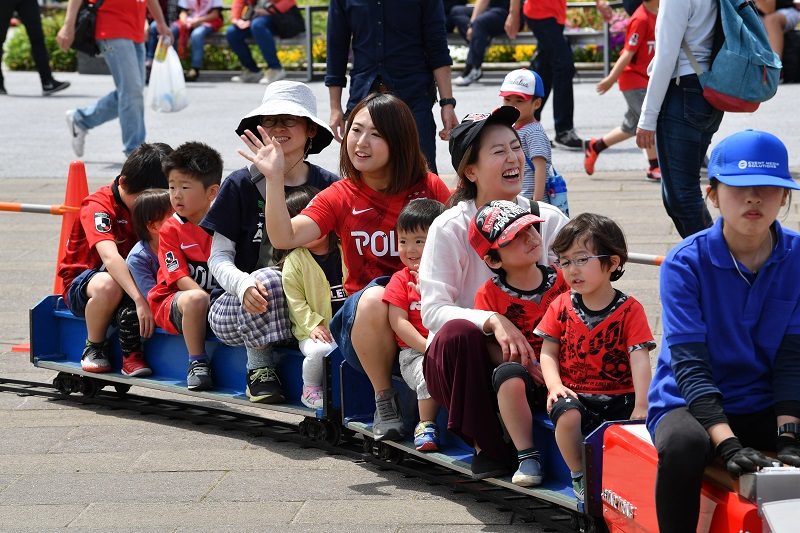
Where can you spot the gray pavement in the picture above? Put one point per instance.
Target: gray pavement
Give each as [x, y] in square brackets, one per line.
[85, 468]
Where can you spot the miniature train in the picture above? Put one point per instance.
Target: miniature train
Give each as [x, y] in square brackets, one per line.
[620, 457]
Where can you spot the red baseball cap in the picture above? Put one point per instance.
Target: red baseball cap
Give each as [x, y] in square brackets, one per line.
[497, 223]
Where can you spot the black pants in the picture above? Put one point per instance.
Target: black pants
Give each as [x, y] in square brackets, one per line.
[28, 12]
[684, 450]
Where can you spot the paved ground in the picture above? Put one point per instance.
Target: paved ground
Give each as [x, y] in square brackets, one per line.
[64, 466]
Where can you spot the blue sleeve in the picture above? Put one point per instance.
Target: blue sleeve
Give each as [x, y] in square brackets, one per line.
[692, 369]
[141, 272]
[786, 380]
[681, 293]
[434, 34]
[339, 35]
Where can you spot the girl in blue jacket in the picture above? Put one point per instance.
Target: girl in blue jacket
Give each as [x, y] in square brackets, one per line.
[727, 381]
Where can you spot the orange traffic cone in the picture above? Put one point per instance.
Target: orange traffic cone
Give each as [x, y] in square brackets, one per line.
[77, 190]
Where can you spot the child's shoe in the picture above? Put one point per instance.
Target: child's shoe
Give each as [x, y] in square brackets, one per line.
[529, 473]
[263, 386]
[387, 423]
[426, 437]
[312, 396]
[95, 358]
[483, 466]
[199, 376]
[134, 365]
[578, 487]
[590, 156]
[654, 174]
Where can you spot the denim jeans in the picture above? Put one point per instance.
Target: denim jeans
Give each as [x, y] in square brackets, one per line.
[261, 30]
[125, 60]
[487, 25]
[684, 129]
[555, 65]
[426, 127]
[197, 40]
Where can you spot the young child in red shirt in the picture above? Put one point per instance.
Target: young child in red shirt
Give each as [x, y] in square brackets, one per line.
[631, 71]
[405, 316]
[180, 299]
[596, 341]
[97, 283]
[505, 235]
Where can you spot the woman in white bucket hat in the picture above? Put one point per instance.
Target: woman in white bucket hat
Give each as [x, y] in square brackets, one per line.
[252, 310]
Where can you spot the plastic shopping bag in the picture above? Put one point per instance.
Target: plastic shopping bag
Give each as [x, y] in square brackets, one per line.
[167, 90]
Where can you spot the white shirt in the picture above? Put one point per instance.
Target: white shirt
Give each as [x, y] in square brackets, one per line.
[692, 20]
[451, 272]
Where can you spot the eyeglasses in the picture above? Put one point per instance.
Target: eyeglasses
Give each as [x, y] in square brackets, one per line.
[563, 264]
[286, 121]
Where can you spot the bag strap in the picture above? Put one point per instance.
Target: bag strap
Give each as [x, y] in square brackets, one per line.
[533, 169]
[690, 57]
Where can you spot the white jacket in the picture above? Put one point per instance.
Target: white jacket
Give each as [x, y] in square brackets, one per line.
[451, 272]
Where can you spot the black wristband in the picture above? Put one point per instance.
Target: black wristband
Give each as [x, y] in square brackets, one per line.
[447, 101]
[728, 448]
[791, 427]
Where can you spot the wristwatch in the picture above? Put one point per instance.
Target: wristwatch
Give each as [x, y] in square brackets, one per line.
[791, 427]
[447, 101]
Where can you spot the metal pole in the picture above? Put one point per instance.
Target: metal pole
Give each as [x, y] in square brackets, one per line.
[37, 208]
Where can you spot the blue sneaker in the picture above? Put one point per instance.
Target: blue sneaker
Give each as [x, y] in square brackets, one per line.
[426, 437]
[529, 473]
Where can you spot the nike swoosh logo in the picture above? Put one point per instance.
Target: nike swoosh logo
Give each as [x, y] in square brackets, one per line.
[185, 246]
[359, 211]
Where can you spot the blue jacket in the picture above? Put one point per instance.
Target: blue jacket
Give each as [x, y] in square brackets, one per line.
[705, 300]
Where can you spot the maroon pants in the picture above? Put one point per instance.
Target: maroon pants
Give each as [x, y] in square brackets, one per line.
[458, 371]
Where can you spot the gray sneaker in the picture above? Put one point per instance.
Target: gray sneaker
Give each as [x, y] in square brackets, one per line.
[468, 77]
[388, 423]
[272, 75]
[78, 134]
[247, 76]
[199, 376]
[569, 140]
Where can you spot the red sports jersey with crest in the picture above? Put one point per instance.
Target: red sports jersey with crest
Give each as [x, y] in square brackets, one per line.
[399, 294]
[641, 40]
[183, 250]
[102, 217]
[365, 221]
[596, 361]
[523, 313]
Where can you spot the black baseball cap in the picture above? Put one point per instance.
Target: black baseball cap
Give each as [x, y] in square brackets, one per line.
[465, 133]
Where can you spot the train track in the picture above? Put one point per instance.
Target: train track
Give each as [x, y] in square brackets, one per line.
[523, 508]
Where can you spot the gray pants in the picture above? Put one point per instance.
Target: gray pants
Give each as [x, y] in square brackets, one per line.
[411, 370]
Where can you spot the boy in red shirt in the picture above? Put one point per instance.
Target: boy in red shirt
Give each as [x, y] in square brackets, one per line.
[631, 70]
[405, 317]
[180, 299]
[97, 283]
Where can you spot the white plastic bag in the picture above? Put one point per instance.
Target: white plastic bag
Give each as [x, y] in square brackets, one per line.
[167, 90]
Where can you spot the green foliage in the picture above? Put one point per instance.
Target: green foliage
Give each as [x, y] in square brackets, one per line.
[18, 49]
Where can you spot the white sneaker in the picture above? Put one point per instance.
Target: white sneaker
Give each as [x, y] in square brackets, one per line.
[78, 134]
[247, 76]
[312, 396]
[468, 77]
[272, 74]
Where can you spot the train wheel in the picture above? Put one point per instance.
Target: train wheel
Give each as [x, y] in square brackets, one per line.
[122, 388]
[90, 387]
[305, 428]
[332, 432]
[389, 453]
[64, 383]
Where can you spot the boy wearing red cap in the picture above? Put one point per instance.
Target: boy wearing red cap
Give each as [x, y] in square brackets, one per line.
[505, 236]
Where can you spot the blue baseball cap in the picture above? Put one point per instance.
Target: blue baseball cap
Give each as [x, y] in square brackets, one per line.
[751, 158]
[522, 82]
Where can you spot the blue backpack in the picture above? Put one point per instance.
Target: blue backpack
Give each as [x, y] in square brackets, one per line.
[745, 70]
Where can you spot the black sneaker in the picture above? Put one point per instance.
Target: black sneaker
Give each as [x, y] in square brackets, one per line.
[264, 386]
[569, 140]
[199, 376]
[95, 357]
[483, 466]
[388, 422]
[53, 86]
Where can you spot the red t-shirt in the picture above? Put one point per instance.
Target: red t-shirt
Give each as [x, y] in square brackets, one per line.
[121, 19]
[183, 250]
[641, 40]
[102, 217]
[546, 9]
[399, 294]
[365, 222]
[596, 361]
[525, 314]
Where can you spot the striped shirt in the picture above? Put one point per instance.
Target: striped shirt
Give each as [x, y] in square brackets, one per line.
[535, 143]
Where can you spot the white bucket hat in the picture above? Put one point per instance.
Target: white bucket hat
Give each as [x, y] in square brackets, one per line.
[289, 98]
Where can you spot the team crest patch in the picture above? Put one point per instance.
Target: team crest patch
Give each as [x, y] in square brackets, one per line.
[171, 262]
[634, 40]
[102, 222]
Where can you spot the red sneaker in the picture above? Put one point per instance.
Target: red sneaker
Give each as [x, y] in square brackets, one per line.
[134, 365]
[589, 157]
[654, 174]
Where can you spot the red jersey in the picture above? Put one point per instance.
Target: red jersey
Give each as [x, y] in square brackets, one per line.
[640, 39]
[121, 19]
[546, 9]
[183, 250]
[399, 294]
[365, 222]
[596, 361]
[524, 313]
[102, 217]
